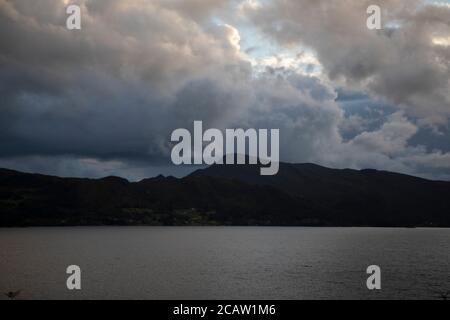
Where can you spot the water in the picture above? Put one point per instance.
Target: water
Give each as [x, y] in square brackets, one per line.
[224, 262]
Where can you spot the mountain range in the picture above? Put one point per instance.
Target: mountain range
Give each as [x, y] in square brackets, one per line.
[299, 195]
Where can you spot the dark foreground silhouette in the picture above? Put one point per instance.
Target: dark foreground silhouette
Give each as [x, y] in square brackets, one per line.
[300, 195]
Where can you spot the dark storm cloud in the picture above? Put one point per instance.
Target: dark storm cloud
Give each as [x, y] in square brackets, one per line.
[104, 90]
[104, 100]
[135, 72]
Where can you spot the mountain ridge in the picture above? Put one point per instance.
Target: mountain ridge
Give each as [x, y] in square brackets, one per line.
[299, 195]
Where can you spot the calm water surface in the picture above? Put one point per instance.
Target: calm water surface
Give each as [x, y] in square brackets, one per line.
[224, 262]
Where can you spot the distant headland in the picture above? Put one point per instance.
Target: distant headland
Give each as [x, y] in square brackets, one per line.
[299, 195]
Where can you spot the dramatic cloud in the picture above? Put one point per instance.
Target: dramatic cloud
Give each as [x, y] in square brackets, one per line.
[103, 100]
[407, 62]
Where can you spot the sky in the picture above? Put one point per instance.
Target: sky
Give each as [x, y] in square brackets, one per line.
[104, 100]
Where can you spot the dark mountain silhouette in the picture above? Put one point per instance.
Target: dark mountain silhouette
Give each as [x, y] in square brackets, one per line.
[300, 194]
[342, 197]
